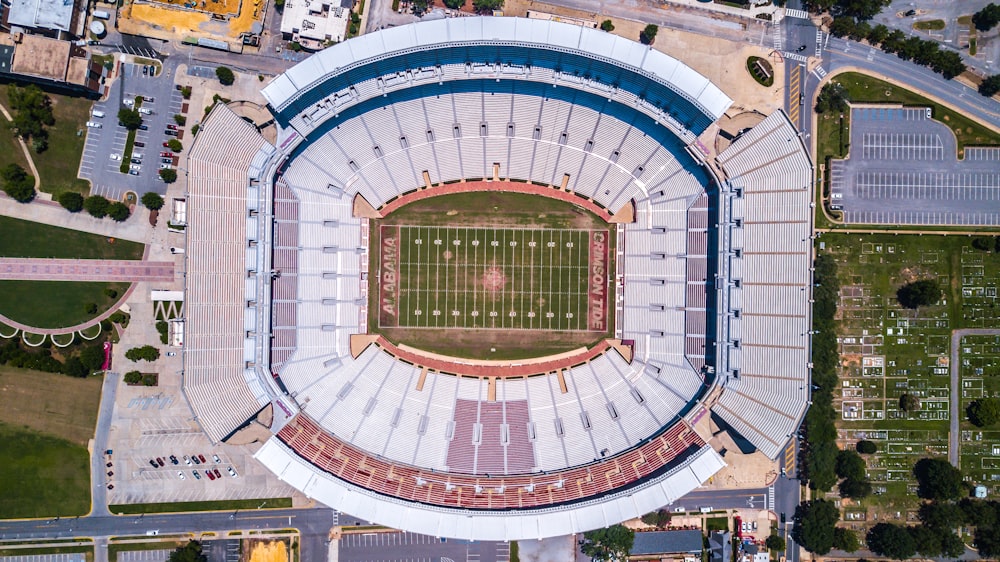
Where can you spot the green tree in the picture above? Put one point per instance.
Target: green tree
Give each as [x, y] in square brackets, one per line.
[862, 10]
[814, 525]
[118, 211]
[130, 118]
[175, 145]
[487, 6]
[180, 119]
[152, 201]
[893, 541]
[186, 92]
[909, 402]
[990, 86]
[71, 201]
[168, 175]
[144, 353]
[878, 34]
[952, 545]
[937, 479]
[983, 412]
[648, 34]
[775, 542]
[225, 75]
[190, 552]
[987, 18]
[32, 110]
[74, 367]
[279, 5]
[851, 465]
[454, 4]
[608, 26]
[941, 515]
[97, 206]
[866, 447]
[843, 27]
[987, 541]
[660, 518]
[832, 98]
[857, 489]
[133, 377]
[17, 184]
[983, 513]
[845, 539]
[612, 544]
[923, 292]
[927, 541]
[92, 357]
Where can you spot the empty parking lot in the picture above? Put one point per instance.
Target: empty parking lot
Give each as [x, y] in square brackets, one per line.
[903, 169]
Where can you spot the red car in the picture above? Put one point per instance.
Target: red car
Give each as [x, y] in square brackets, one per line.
[217, 473]
[166, 144]
[171, 126]
[166, 154]
[201, 458]
[210, 475]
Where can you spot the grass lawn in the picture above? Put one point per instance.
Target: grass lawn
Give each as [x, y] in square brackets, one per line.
[55, 304]
[26, 239]
[115, 548]
[29, 402]
[929, 25]
[59, 164]
[221, 505]
[43, 476]
[10, 149]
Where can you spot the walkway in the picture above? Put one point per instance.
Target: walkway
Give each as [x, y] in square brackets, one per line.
[24, 149]
[956, 391]
[136, 228]
[46, 269]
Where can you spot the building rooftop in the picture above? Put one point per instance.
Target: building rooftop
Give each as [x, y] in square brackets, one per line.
[38, 56]
[666, 542]
[45, 14]
[316, 20]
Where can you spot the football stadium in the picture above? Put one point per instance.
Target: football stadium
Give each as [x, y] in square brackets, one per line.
[489, 282]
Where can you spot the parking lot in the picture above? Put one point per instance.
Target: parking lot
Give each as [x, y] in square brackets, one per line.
[47, 558]
[410, 547]
[104, 147]
[903, 169]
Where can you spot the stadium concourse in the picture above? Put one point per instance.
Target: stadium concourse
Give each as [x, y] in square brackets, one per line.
[712, 279]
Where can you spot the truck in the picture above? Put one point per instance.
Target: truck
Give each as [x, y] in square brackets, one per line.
[102, 15]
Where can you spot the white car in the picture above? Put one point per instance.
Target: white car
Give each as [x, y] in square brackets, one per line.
[93, 124]
[165, 166]
[145, 111]
[137, 155]
[135, 167]
[129, 102]
[181, 475]
[116, 156]
[231, 472]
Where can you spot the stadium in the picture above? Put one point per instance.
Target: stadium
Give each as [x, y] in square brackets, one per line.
[489, 283]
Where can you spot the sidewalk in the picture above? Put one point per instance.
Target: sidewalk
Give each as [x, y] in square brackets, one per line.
[135, 228]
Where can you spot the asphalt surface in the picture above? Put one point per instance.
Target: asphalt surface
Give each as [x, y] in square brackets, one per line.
[98, 458]
[409, 547]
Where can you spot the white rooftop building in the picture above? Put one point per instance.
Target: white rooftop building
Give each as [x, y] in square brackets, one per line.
[55, 15]
[313, 22]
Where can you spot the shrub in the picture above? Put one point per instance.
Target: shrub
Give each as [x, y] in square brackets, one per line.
[119, 318]
[92, 357]
[149, 379]
[118, 211]
[133, 377]
[648, 34]
[984, 412]
[990, 85]
[161, 327]
[866, 447]
[144, 353]
[96, 206]
[923, 292]
[175, 145]
[71, 201]
[606, 25]
[130, 118]
[225, 75]
[111, 293]
[168, 175]
[152, 201]
[74, 367]
[194, 129]
[983, 243]
[90, 308]
[180, 119]
[186, 92]
[17, 184]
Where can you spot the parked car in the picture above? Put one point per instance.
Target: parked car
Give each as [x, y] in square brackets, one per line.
[153, 463]
[159, 461]
[195, 459]
[133, 172]
[165, 166]
[115, 156]
[210, 475]
[137, 155]
[231, 472]
[143, 127]
[173, 459]
[170, 133]
[180, 475]
[145, 70]
[187, 460]
[167, 154]
[145, 111]
[196, 475]
[128, 101]
[201, 458]
[171, 126]
[216, 459]
[217, 473]
[140, 144]
[94, 124]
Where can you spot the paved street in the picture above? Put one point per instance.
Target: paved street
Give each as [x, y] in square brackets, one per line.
[44, 269]
[410, 547]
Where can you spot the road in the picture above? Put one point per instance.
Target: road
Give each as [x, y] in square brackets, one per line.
[956, 390]
[98, 492]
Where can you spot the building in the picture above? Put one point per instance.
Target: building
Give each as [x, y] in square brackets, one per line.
[663, 544]
[58, 18]
[43, 60]
[314, 23]
[720, 545]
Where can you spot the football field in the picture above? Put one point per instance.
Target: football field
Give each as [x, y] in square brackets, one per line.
[493, 278]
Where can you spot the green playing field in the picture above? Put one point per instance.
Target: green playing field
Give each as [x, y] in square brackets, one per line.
[493, 278]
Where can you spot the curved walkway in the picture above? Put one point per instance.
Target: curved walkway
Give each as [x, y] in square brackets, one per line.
[956, 392]
[48, 269]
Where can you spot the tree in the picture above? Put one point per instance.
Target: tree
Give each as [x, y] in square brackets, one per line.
[186, 92]
[225, 75]
[660, 518]
[909, 402]
[168, 175]
[923, 292]
[857, 489]
[133, 377]
[926, 540]
[17, 184]
[866, 447]
[92, 357]
[937, 479]
[845, 539]
[152, 201]
[851, 465]
[983, 412]
[190, 552]
[987, 541]
[981, 512]
[987, 18]
[990, 85]
[843, 27]
[130, 118]
[487, 6]
[648, 34]
[863, 10]
[775, 542]
[144, 353]
[71, 201]
[175, 145]
[832, 98]
[891, 540]
[878, 34]
[814, 524]
[118, 211]
[454, 4]
[941, 515]
[952, 545]
[608, 545]
[279, 5]
[606, 25]
[75, 368]
[97, 206]
[982, 243]
[32, 111]
[180, 119]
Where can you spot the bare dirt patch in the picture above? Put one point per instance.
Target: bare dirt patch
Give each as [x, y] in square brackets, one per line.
[50, 403]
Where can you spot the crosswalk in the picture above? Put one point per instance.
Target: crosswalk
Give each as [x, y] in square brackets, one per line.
[770, 498]
[801, 14]
[795, 57]
[819, 42]
[777, 37]
[819, 72]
